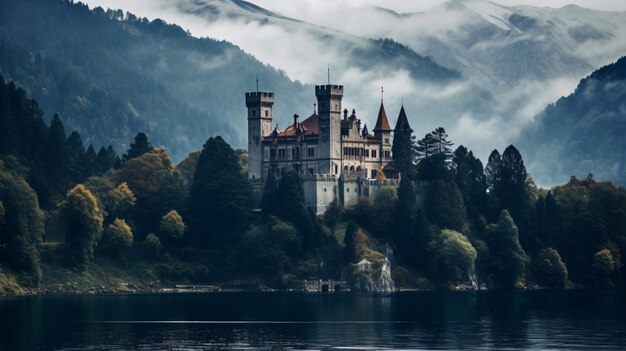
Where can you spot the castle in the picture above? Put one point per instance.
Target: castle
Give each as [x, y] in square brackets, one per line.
[333, 154]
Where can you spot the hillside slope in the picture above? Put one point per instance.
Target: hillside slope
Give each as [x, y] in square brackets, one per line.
[110, 75]
[583, 132]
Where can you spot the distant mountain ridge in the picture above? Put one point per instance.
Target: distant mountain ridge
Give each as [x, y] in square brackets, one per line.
[365, 53]
[584, 132]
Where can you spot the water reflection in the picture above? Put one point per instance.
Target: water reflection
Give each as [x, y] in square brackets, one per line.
[425, 320]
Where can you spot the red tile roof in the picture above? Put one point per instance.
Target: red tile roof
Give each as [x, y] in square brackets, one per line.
[382, 124]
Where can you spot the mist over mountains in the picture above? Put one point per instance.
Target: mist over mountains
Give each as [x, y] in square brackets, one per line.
[110, 75]
[583, 132]
[481, 70]
[513, 60]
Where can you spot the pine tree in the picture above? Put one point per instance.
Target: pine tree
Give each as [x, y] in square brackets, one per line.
[406, 219]
[403, 151]
[349, 242]
[470, 179]
[219, 200]
[76, 158]
[491, 170]
[292, 207]
[139, 147]
[269, 201]
[106, 160]
[434, 155]
[55, 156]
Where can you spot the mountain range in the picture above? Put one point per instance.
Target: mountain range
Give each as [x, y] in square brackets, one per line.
[482, 70]
[582, 133]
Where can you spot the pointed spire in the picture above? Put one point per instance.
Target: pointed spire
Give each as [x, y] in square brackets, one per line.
[365, 132]
[382, 123]
[403, 122]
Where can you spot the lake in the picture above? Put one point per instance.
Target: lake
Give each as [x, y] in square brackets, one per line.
[486, 320]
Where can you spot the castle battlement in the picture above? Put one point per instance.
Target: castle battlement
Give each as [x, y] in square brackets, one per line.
[259, 97]
[328, 89]
[335, 157]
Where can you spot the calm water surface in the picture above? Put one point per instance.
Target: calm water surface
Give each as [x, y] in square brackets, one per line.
[418, 320]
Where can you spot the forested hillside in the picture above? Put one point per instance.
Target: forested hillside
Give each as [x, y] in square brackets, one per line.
[111, 74]
[75, 220]
[584, 132]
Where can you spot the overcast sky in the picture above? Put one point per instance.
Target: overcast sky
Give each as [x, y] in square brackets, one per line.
[296, 7]
[301, 8]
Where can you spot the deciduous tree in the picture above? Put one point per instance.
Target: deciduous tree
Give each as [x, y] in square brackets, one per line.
[82, 222]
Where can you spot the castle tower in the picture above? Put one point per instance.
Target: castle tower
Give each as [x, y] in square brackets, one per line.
[329, 112]
[259, 106]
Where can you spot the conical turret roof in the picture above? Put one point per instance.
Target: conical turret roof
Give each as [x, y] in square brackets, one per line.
[403, 123]
[382, 124]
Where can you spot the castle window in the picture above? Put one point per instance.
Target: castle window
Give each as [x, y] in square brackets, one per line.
[272, 153]
[374, 153]
[311, 152]
[267, 113]
[311, 171]
[295, 153]
[386, 140]
[374, 173]
[367, 152]
[281, 153]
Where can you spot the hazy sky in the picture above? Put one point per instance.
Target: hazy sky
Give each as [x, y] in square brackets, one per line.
[292, 7]
[301, 8]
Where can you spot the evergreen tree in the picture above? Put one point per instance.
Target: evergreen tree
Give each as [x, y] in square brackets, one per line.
[406, 219]
[76, 158]
[492, 169]
[55, 156]
[508, 259]
[425, 147]
[333, 214]
[510, 191]
[444, 206]
[269, 201]
[106, 160]
[219, 201]
[139, 147]
[470, 179]
[292, 207]
[349, 242]
[403, 151]
[90, 160]
[82, 222]
[434, 154]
